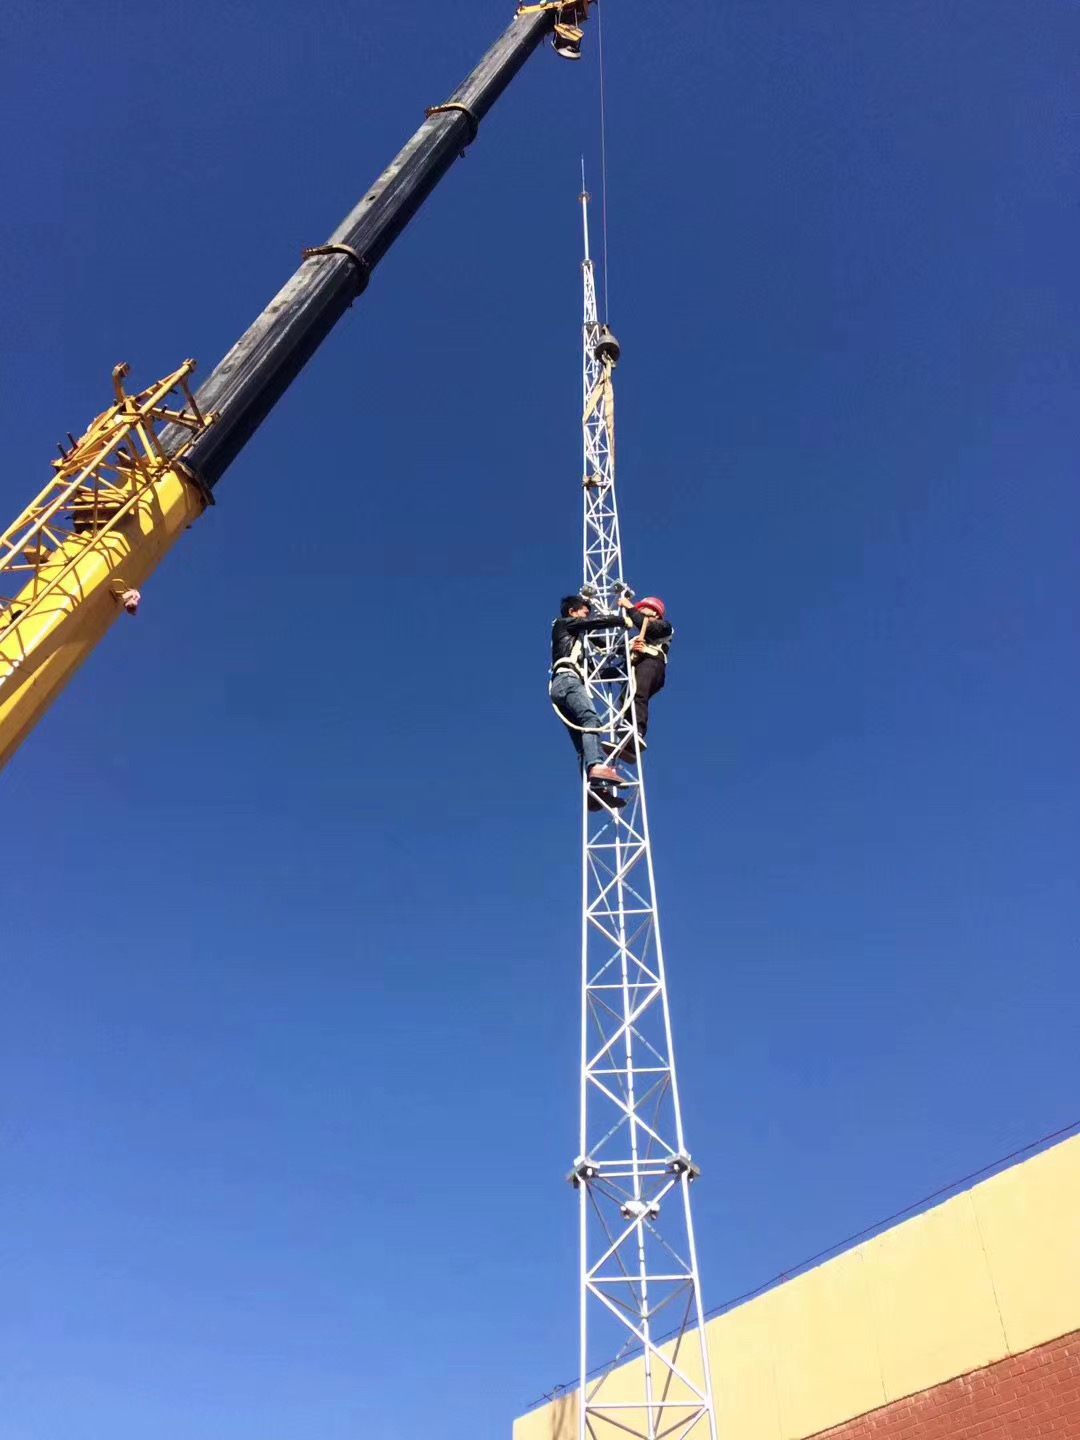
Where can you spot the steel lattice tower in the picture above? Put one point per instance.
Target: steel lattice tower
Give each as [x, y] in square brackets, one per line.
[644, 1364]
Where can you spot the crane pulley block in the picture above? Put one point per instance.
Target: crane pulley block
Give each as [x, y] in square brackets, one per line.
[570, 17]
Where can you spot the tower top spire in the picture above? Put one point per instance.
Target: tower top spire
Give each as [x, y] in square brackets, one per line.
[585, 212]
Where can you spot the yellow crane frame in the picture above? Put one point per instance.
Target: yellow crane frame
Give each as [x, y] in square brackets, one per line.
[81, 548]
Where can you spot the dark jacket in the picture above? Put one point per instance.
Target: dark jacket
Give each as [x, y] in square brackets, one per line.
[567, 640]
[657, 635]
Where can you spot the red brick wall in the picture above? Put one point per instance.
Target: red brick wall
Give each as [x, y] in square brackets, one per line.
[1034, 1396]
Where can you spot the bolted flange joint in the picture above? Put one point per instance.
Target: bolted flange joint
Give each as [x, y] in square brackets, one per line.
[640, 1210]
[584, 1170]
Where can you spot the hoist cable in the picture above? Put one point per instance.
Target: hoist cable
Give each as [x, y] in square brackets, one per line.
[603, 154]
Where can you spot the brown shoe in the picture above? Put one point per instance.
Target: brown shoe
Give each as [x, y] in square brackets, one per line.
[600, 774]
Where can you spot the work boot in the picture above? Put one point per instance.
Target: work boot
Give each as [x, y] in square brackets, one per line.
[604, 800]
[622, 752]
[601, 773]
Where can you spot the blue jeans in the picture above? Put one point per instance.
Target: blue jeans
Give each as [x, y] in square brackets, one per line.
[571, 699]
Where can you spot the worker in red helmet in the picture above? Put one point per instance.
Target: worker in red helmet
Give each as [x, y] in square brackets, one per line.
[648, 657]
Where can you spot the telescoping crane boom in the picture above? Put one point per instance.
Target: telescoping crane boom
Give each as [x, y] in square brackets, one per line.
[146, 468]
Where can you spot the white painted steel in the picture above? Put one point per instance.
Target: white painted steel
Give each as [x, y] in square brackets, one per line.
[640, 1293]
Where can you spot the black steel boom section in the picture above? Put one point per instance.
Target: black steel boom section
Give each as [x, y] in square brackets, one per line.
[248, 382]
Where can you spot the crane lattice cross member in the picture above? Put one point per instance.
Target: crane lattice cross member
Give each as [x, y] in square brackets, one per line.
[78, 552]
[640, 1293]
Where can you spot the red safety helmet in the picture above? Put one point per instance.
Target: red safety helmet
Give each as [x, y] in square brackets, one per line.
[654, 602]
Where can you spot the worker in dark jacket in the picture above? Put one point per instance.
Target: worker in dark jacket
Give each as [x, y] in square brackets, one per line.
[648, 658]
[568, 691]
[649, 654]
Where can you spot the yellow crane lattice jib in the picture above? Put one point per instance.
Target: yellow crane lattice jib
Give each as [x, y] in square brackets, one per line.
[78, 466]
[558, 5]
[82, 511]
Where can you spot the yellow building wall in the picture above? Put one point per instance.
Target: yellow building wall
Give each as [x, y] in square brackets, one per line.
[990, 1273]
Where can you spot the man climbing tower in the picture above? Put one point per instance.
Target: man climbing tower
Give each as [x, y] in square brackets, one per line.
[569, 694]
[648, 657]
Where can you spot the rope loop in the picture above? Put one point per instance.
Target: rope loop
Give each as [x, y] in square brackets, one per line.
[360, 263]
[455, 106]
[631, 690]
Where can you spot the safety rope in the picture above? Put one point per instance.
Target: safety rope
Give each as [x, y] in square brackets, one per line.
[631, 692]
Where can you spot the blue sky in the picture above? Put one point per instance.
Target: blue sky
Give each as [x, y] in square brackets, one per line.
[290, 896]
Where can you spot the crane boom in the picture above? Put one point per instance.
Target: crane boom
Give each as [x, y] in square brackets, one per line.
[146, 469]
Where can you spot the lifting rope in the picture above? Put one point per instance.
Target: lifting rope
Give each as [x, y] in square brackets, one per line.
[603, 154]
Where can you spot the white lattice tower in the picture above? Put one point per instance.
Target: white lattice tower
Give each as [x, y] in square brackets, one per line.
[644, 1366]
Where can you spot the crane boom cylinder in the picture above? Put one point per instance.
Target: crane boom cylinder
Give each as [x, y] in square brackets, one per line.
[257, 371]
